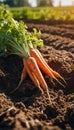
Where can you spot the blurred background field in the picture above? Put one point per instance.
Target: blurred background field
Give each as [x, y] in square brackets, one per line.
[45, 13]
[41, 9]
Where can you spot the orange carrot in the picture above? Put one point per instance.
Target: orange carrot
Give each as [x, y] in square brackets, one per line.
[56, 74]
[31, 74]
[37, 82]
[33, 67]
[40, 62]
[24, 74]
[34, 72]
[44, 66]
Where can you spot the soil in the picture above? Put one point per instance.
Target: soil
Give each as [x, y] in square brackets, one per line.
[27, 108]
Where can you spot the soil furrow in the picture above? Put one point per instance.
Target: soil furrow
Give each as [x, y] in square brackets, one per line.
[53, 30]
[27, 108]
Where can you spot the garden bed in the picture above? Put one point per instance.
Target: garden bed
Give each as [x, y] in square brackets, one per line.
[27, 108]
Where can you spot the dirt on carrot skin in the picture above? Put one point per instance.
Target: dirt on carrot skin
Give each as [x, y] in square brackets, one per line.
[27, 108]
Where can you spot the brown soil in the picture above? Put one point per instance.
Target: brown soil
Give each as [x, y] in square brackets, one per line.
[27, 108]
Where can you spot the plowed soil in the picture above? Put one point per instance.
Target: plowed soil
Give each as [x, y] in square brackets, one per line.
[27, 108]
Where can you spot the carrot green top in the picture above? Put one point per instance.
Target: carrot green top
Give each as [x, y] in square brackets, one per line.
[14, 36]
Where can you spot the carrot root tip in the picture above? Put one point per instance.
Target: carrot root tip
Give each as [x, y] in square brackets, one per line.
[16, 87]
[40, 89]
[48, 96]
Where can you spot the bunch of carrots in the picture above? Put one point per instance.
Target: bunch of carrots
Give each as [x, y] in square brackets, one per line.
[31, 67]
[15, 38]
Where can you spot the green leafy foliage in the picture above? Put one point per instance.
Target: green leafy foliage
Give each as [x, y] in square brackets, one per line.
[14, 37]
[46, 13]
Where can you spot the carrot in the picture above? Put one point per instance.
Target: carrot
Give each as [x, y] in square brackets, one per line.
[56, 74]
[35, 73]
[40, 62]
[31, 74]
[44, 66]
[24, 74]
[37, 82]
[33, 67]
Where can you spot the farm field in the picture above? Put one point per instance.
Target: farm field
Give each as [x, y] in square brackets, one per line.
[27, 108]
[44, 13]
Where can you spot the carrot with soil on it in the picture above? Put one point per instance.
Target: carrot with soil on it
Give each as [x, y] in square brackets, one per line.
[37, 83]
[32, 67]
[56, 74]
[23, 75]
[44, 66]
[15, 38]
[32, 74]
